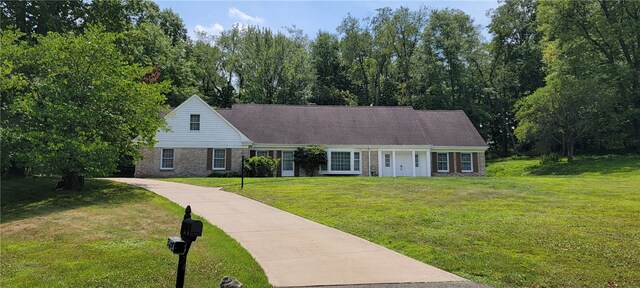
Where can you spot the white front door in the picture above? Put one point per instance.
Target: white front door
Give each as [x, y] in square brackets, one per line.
[387, 162]
[287, 164]
[404, 163]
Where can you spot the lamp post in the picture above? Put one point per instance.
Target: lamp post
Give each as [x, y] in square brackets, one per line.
[242, 172]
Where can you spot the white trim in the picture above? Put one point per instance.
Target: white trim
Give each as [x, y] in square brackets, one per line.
[428, 163]
[393, 162]
[351, 160]
[438, 160]
[379, 163]
[470, 161]
[173, 159]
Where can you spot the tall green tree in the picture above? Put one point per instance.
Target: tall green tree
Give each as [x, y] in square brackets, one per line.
[515, 69]
[39, 17]
[451, 77]
[84, 107]
[608, 32]
[331, 85]
[275, 68]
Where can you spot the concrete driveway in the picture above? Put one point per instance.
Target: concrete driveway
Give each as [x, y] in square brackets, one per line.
[296, 252]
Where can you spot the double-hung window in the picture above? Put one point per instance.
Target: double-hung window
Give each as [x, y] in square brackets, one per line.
[194, 121]
[219, 159]
[387, 160]
[417, 159]
[466, 162]
[166, 161]
[443, 162]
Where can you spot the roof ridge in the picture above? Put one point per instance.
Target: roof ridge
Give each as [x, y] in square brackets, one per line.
[311, 106]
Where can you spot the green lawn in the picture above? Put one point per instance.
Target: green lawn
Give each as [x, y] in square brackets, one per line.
[109, 235]
[578, 226]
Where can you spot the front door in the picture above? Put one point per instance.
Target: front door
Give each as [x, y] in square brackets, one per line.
[287, 164]
[404, 163]
[387, 169]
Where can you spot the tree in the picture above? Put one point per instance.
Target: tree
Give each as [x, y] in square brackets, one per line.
[515, 69]
[39, 17]
[274, 68]
[608, 32]
[85, 107]
[330, 86]
[450, 77]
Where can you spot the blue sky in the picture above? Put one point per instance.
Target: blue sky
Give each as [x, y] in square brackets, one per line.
[310, 16]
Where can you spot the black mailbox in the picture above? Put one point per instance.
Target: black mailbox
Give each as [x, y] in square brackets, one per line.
[191, 229]
[176, 245]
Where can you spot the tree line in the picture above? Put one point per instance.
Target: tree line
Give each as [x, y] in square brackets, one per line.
[555, 75]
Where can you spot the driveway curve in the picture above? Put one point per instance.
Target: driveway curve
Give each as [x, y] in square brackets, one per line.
[296, 252]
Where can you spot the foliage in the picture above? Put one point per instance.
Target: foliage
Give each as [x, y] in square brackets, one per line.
[515, 68]
[310, 158]
[549, 158]
[82, 107]
[261, 166]
[110, 235]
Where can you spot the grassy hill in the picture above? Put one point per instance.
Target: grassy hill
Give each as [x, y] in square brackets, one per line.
[527, 225]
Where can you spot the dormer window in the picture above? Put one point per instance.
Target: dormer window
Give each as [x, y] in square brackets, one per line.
[195, 122]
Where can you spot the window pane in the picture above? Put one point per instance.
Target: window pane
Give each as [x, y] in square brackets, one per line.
[356, 161]
[195, 122]
[465, 160]
[442, 162]
[167, 158]
[417, 160]
[387, 160]
[341, 161]
[219, 161]
[287, 160]
[262, 153]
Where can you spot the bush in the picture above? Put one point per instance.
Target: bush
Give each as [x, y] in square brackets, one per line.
[261, 166]
[549, 158]
[224, 174]
[310, 158]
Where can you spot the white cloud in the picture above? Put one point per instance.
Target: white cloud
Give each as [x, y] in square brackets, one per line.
[236, 13]
[213, 29]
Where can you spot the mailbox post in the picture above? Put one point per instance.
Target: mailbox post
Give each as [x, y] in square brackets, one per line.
[189, 231]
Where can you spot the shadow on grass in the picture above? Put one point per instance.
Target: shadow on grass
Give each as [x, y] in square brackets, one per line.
[33, 196]
[606, 164]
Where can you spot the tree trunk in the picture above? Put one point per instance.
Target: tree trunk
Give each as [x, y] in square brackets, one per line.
[570, 145]
[73, 181]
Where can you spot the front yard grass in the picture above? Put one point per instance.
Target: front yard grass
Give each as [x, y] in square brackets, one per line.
[578, 227]
[108, 235]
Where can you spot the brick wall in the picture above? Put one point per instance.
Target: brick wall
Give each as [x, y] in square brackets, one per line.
[365, 162]
[187, 162]
[481, 168]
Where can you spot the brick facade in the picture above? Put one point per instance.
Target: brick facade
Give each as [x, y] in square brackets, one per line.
[187, 162]
[453, 166]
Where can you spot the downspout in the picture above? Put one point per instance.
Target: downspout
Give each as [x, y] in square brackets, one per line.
[369, 162]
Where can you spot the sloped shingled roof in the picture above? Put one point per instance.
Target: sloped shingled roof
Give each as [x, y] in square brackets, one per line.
[347, 125]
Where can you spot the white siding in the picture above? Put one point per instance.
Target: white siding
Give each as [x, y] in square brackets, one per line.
[215, 132]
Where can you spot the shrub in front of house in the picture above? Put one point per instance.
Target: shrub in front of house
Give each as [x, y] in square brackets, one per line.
[310, 158]
[261, 166]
